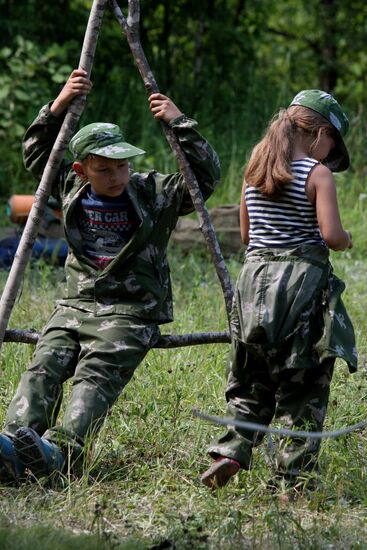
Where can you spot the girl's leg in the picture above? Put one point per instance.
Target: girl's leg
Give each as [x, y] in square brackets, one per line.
[250, 397]
[302, 400]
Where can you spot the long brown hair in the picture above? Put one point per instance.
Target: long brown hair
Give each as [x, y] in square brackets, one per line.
[269, 167]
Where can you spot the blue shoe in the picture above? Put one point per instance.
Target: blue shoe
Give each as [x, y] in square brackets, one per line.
[40, 456]
[11, 467]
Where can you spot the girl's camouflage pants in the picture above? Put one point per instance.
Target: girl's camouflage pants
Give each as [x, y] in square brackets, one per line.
[297, 398]
[100, 354]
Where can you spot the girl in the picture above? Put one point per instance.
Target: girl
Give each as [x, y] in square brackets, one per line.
[288, 321]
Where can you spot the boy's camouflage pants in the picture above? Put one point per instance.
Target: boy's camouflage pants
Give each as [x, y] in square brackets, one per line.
[100, 353]
[297, 398]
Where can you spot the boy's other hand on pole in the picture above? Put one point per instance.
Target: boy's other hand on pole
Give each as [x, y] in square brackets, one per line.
[163, 107]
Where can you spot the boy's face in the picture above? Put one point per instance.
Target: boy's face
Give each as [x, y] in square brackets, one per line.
[108, 177]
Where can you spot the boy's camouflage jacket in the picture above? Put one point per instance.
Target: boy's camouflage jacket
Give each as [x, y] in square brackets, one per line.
[137, 281]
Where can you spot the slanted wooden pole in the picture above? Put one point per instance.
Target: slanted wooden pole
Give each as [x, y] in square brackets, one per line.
[130, 27]
[36, 214]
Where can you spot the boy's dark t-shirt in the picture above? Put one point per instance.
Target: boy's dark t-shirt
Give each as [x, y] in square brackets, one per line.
[106, 224]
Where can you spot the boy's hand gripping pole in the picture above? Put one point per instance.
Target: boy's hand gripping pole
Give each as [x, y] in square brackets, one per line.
[31, 229]
[130, 27]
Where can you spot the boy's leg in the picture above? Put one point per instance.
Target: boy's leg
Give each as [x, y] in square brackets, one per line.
[250, 396]
[302, 400]
[38, 396]
[111, 348]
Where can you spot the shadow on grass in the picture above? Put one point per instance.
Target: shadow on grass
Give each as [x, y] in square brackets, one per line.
[46, 538]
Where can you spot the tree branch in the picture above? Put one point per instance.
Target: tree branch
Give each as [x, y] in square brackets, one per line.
[30, 232]
[130, 27]
[293, 36]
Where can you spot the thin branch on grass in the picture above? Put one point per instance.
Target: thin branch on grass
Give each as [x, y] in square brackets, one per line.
[262, 428]
[130, 27]
[36, 214]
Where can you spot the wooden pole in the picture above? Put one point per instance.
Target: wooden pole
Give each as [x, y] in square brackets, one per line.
[165, 341]
[36, 214]
[130, 27]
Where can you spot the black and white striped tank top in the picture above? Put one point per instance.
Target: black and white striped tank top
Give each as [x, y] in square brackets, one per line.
[287, 222]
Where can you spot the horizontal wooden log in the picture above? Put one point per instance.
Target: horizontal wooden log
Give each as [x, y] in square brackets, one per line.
[30, 336]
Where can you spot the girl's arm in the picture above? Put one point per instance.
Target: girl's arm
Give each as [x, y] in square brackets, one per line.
[244, 219]
[321, 185]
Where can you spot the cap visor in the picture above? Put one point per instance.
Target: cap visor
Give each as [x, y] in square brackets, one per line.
[121, 150]
[338, 159]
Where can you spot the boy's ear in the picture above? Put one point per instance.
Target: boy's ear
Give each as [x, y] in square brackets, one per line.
[78, 168]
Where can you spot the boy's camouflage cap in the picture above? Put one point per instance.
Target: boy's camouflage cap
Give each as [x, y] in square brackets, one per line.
[103, 139]
[327, 106]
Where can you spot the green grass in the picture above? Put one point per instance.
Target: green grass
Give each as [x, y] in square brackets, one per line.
[141, 487]
[142, 484]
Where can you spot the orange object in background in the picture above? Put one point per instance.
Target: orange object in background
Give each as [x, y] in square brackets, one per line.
[50, 243]
[19, 207]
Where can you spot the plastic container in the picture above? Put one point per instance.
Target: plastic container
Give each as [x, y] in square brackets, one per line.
[19, 207]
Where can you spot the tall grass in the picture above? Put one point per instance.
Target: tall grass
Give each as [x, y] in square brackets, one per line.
[140, 487]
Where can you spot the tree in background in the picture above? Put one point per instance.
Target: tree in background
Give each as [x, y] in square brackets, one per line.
[231, 63]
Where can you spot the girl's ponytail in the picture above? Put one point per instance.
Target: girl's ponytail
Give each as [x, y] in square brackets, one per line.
[269, 166]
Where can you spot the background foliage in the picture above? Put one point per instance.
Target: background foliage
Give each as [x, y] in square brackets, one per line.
[228, 63]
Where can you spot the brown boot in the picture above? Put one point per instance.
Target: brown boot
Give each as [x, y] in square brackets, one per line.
[220, 472]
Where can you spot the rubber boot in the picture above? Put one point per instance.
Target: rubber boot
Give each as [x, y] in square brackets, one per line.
[41, 457]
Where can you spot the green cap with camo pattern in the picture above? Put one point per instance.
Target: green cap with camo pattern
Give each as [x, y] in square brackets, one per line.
[327, 106]
[103, 139]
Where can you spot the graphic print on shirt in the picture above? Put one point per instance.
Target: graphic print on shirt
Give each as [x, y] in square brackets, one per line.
[106, 225]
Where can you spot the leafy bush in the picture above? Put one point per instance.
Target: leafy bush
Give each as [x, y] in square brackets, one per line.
[28, 78]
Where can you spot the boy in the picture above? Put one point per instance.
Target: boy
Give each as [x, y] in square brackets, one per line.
[117, 224]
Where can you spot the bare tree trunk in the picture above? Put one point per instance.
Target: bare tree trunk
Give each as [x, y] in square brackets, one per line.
[328, 62]
[198, 52]
[165, 341]
[130, 27]
[32, 226]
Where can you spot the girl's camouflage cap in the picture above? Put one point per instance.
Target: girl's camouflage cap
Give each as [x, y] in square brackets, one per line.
[103, 139]
[327, 106]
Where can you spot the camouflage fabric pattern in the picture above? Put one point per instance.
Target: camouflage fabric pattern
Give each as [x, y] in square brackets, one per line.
[108, 319]
[137, 281]
[294, 398]
[327, 106]
[291, 299]
[100, 353]
[103, 139]
[288, 326]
